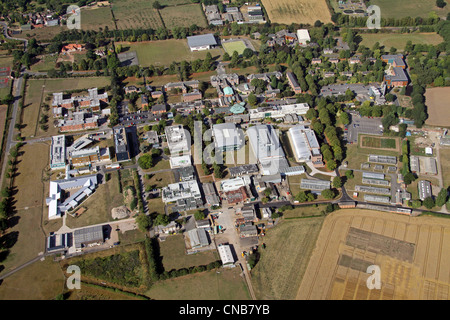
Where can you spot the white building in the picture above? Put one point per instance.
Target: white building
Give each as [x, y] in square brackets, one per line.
[227, 137]
[179, 162]
[181, 190]
[225, 255]
[178, 139]
[202, 42]
[267, 149]
[278, 112]
[303, 36]
[57, 205]
[58, 152]
[235, 183]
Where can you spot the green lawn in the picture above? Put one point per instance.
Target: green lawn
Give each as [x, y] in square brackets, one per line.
[238, 46]
[399, 40]
[375, 142]
[412, 8]
[99, 204]
[163, 53]
[45, 63]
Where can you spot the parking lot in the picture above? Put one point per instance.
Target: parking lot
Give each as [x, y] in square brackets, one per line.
[362, 125]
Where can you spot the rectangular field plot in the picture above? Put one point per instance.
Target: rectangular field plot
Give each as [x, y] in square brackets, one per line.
[238, 46]
[375, 142]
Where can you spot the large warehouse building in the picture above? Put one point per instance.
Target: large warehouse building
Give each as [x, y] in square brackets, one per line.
[202, 42]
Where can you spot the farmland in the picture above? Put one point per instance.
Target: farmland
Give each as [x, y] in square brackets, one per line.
[139, 14]
[412, 8]
[399, 40]
[292, 242]
[297, 11]
[183, 16]
[438, 114]
[409, 251]
[163, 53]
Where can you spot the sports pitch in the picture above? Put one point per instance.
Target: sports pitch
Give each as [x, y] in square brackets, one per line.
[232, 46]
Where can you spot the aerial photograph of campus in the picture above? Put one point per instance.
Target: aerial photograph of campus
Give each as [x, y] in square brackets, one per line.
[224, 150]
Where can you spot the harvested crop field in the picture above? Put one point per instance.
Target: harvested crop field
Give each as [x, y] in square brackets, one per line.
[283, 262]
[438, 114]
[297, 11]
[410, 252]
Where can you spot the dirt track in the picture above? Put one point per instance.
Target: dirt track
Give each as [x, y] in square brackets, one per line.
[409, 250]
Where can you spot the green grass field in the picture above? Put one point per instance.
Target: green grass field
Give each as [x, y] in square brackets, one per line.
[375, 142]
[94, 19]
[43, 280]
[99, 205]
[45, 64]
[412, 8]
[399, 40]
[5, 61]
[163, 53]
[238, 46]
[183, 16]
[174, 256]
[209, 285]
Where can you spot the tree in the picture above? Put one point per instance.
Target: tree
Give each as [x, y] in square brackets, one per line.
[337, 182]
[199, 215]
[328, 194]
[252, 99]
[144, 222]
[416, 204]
[146, 161]
[161, 219]
[248, 53]
[157, 5]
[440, 3]
[442, 197]
[429, 203]
[349, 174]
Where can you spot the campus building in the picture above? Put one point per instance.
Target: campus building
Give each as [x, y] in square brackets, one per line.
[267, 149]
[278, 111]
[305, 145]
[61, 201]
[89, 156]
[227, 137]
[58, 152]
[177, 139]
[121, 144]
